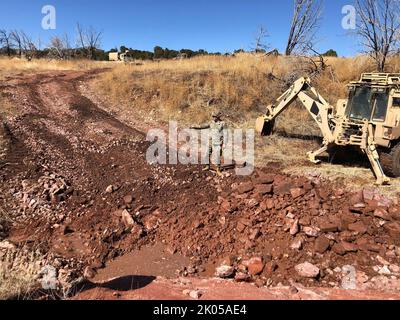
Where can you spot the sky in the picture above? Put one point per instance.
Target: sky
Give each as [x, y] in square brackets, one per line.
[216, 26]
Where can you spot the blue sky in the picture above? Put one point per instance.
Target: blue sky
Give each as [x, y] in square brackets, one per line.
[219, 25]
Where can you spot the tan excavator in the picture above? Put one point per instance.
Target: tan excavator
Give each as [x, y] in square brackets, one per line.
[369, 120]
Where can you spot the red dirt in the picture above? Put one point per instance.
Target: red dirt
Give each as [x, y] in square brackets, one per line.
[65, 151]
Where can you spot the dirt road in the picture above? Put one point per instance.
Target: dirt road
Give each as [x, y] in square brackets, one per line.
[75, 184]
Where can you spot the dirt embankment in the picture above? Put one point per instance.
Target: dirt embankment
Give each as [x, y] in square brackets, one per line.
[76, 185]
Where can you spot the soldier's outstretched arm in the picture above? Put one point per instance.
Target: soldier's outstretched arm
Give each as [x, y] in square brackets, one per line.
[203, 127]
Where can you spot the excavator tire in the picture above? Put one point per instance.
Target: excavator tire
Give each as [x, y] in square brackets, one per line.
[390, 161]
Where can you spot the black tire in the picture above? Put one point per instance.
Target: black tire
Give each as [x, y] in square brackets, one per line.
[390, 161]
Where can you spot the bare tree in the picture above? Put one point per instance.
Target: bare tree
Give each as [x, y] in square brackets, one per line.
[89, 40]
[60, 47]
[378, 27]
[28, 46]
[16, 39]
[5, 41]
[260, 44]
[305, 23]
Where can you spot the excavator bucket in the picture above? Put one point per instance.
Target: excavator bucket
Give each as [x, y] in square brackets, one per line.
[264, 127]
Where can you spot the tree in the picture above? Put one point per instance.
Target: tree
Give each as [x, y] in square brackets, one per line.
[5, 41]
[260, 45]
[158, 52]
[330, 53]
[60, 48]
[305, 23]
[17, 41]
[28, 46]
[378, 27]
[89, 39]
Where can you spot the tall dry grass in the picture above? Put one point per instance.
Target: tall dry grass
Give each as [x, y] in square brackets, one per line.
[19, 273]
[241, 86]
[15, 65]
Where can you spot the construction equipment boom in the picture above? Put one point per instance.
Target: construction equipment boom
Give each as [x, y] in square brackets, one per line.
[369, 119]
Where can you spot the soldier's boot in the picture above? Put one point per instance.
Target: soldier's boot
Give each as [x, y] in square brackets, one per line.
[218, 171]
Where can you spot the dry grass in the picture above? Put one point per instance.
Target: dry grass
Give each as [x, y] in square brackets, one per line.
[241, 86]
[19, 272]
[15, 65]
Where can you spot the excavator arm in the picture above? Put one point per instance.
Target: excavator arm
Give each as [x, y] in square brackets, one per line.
[323, 114]
[320, 110]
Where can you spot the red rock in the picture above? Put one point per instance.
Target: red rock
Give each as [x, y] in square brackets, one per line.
[328, 227]
[305, 221]
[339, 249]
[270, 203]
[382, 200]
[382, 214]
[127, 219]
[263, 189]
[349, 247]
[369, 193]
[240, 227]
[356, 197]
[297, 244]
[315, 204]
[226, 206]
[294, 229]
[245, 188]
[393, 229]
[311, 232]
[297, 192]
[343, 247]
[224, 272]
[128, 199]
[322, 244]
[265, 179]
[151, 222]
[254, 266]
[89, 273]
[345, 221]
[270, 267]
[358, 227]
[358, 208]
[242, 277]
[282, 188]
[370, 247]
[307, 270]
[254, 234]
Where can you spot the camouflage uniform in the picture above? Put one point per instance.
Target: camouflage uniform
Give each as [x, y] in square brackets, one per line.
[216, 140]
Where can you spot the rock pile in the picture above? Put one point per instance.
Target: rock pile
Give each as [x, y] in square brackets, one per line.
[277, 228]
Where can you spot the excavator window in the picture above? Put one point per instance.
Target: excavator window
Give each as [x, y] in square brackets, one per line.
[360, 106]
[368, 103]
[380, 101]
[396, 103]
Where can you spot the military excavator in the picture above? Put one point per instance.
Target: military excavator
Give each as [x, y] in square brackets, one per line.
[369, 119]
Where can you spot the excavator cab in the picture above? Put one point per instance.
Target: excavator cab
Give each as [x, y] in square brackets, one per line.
[368, 103]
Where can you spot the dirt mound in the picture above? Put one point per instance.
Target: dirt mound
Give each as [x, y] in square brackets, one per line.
[76, 186]
[265, 227]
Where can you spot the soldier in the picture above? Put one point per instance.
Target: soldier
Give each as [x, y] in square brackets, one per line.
[216, 127]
